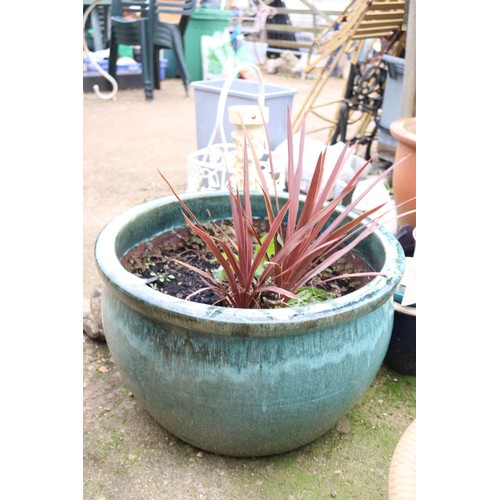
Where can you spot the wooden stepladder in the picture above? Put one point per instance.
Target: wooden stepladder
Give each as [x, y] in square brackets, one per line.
[362, 21]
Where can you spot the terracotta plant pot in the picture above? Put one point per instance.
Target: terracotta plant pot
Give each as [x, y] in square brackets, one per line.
[402, 484]
[404, 177]
[242, 382]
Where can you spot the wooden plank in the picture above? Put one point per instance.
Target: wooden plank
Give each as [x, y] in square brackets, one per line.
[388, 24]
[382, 5]
[288, 44]
[408, 107]
[379, 29]
[375, 32]
[397, 14]
[314, 28]
[363, 35]
[286, 28]
[316, 11]
[282, 10]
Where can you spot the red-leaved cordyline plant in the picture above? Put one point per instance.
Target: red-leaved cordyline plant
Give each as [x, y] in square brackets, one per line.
[291, 253]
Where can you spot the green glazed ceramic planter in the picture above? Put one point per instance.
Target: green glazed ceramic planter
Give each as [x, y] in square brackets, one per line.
[233, 381]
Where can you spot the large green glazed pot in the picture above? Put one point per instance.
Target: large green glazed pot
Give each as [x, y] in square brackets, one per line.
[234, 381]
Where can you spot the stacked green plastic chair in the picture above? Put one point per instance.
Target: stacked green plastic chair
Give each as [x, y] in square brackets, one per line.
[170, 36]
[137, 23]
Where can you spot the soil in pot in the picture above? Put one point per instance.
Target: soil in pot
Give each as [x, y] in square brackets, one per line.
[155, 261]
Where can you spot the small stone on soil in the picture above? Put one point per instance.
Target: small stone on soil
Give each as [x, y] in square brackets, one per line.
[343, 425]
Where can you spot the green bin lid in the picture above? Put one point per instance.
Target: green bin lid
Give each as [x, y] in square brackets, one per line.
[211, 14]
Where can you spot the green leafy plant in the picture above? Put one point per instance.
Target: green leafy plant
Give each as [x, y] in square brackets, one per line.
[299, 244]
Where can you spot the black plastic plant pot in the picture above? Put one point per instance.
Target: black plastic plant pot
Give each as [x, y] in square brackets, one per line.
[402, 353]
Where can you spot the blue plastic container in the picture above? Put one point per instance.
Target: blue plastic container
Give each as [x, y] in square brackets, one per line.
[392, 101]
[163, 69]
[121, 69]
[207, 93]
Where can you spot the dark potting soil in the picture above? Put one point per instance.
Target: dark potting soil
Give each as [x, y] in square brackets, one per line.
[155, 261]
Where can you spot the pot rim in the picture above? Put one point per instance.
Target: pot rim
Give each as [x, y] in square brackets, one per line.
[232, 321]
[400, 132]
[407, 310]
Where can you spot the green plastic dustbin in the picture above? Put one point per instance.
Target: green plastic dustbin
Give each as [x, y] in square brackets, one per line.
[203, 21]
[172, 67]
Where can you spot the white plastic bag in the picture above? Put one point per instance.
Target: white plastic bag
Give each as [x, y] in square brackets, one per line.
[218, 55]
[312, 150]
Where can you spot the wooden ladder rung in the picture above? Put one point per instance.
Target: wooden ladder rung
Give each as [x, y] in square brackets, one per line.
[373, 16]
[388, 24]
[384, 5]
[363, 34]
